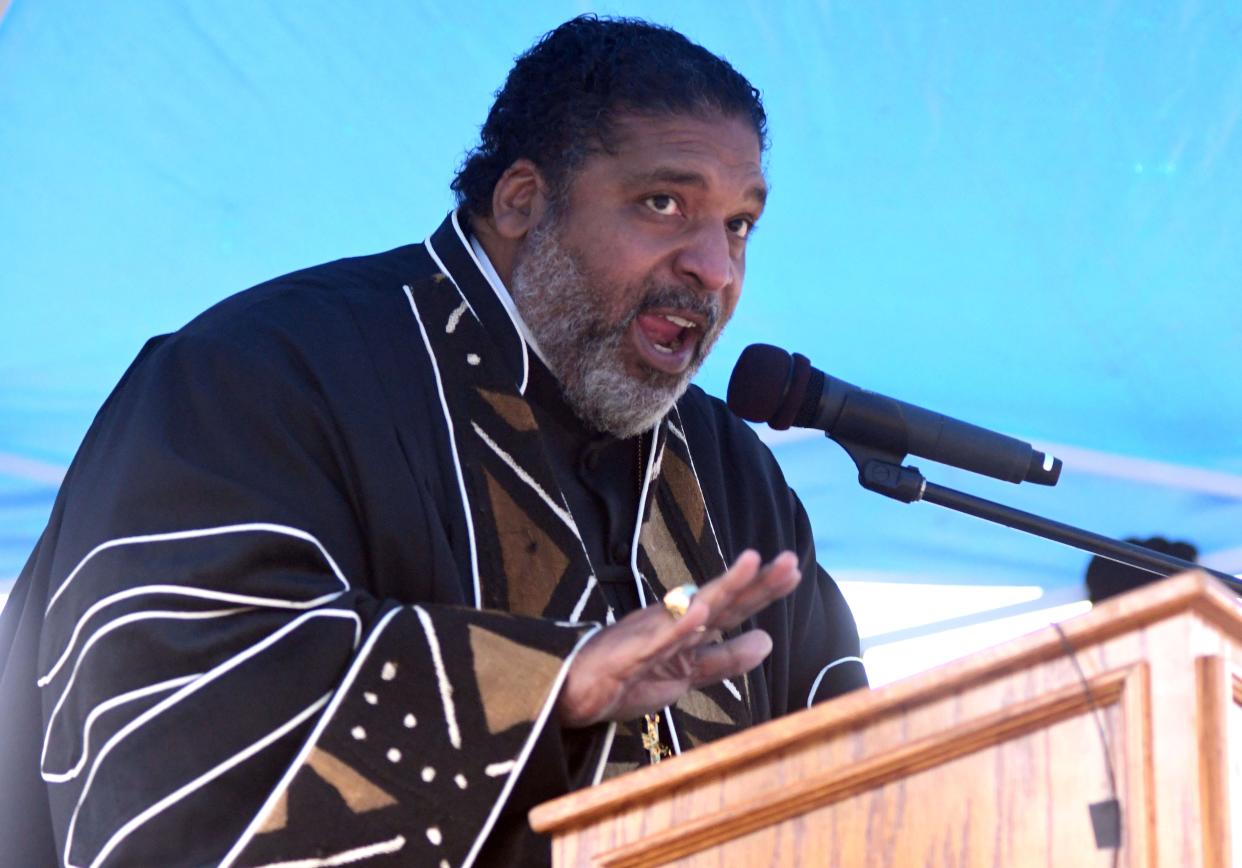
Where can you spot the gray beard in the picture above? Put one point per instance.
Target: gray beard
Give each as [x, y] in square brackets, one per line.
[565, 313]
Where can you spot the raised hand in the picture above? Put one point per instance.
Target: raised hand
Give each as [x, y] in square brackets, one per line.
[649, 659]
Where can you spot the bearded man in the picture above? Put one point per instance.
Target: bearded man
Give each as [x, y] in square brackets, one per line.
[366, 561]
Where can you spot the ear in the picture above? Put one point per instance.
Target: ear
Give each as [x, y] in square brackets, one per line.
[519, 200]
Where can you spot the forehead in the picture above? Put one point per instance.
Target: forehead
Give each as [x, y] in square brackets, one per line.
[722, 151]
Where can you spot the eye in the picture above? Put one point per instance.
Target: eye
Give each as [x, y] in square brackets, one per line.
[741, 227]
[662, 203]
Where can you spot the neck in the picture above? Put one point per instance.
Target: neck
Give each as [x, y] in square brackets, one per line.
[500, 250]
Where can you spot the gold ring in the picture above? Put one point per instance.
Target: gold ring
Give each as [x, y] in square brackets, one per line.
[677, 601]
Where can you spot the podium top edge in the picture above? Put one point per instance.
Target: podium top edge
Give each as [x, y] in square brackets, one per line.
[1193, 591]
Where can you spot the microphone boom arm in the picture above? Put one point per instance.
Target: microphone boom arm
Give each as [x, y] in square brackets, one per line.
[879, 472]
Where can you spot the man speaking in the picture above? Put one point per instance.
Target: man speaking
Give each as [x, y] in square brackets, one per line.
[366, 561]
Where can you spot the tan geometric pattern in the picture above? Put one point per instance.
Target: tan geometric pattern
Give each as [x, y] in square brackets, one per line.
[513, 679]
[657, 540]
[686, 492]
[512, 409]
[700, 705]
[356, 791]
[279, 817]
[533, 562]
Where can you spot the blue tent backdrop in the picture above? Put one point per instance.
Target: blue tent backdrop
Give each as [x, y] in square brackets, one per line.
[1026, 216]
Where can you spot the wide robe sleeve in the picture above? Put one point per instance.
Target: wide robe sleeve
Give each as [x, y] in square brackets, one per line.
[816, 651]
[242, 661]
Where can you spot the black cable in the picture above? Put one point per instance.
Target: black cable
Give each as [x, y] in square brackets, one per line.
[1099, 724]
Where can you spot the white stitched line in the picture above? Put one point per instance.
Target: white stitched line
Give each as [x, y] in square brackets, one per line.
[561, 513]
[254, 527]
[495, 770]
[164, 705]
[300, 760]
[582, 601]
[206, 778]
[810, 698]
[102, 632]
[446, 687]
[638, 521]
[182, 591]
[455, 317]
[603, 757]
[101, 708]
[392, 845]
[452, 438]
[465, 242]
[440, 264]
[524, 754]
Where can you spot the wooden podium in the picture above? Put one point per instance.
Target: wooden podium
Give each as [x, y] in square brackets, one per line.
[990, 761]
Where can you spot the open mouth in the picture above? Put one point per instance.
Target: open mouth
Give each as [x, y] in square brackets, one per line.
[667, 340]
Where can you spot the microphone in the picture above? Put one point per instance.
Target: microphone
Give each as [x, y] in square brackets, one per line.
[769, 385]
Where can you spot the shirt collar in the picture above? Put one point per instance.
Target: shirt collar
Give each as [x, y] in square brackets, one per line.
[502, 293]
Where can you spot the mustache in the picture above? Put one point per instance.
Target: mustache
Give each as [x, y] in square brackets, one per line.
[680, 298]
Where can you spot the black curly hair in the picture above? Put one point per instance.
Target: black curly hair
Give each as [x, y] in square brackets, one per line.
[561, 98]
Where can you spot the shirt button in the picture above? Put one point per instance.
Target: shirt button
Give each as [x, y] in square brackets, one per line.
[620, 553]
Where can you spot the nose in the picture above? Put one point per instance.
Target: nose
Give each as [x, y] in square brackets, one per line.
[706, 259]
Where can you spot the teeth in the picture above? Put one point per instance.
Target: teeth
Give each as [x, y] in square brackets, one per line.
[678, 320]
[664, 348]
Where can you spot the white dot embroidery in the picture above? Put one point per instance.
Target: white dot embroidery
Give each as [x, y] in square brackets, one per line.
[394, 755]
[434, 836]
[461, 781]
[429, 774]
[358, 733]
[370, 697]
[389, 672]
[473, 358]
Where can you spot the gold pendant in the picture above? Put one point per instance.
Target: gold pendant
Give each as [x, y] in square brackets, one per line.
[651, 738]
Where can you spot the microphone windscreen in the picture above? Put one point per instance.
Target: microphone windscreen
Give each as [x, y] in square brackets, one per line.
[759, 382]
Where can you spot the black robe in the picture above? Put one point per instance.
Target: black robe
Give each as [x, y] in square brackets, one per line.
[311, 585]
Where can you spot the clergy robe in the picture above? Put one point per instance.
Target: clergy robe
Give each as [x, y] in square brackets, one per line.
[311, 587]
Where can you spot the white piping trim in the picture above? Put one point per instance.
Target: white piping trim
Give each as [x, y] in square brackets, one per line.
[638, 519]
[311, 741]
[105, 706]
[524, 754]
[101, 633]
[440, 264]
[810, 698]
[357, 854]
[582, 601]
[732, 688]
[185, 591]
[251, 527]
[164, 705]
[672, 729]
[206, 778]
[465, 242]
[560, 511]
[446, 686]
[603, 757]
[452, 438]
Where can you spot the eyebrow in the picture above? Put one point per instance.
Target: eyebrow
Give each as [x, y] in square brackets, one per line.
[687, 178]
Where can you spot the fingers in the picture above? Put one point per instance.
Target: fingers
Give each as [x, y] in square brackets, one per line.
[728, 659]
[745, 589]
